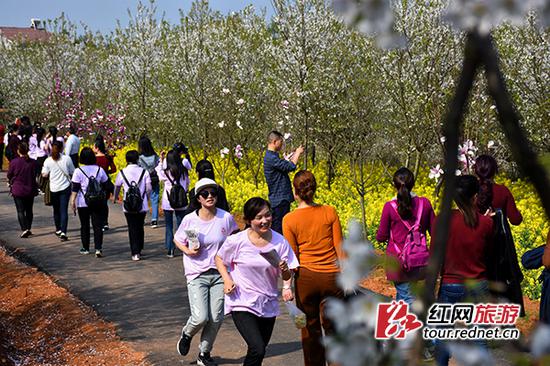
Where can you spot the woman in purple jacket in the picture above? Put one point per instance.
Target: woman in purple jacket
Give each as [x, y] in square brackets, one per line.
[23, 187]
[403, 211]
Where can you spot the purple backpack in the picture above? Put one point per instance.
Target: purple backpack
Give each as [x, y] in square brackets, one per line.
[415, 253]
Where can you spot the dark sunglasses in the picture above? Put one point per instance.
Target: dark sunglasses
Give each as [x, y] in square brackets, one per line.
[208, 192]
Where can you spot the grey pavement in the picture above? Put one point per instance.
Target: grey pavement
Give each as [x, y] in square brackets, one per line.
[146, 300]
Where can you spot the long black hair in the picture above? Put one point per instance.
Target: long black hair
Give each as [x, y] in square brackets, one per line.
[53, 132]
[205, 169]
[174, 165]
[145, 147]
[99, 144]
[485, 168]
[403, 181]
[467, 186]
[40, 132]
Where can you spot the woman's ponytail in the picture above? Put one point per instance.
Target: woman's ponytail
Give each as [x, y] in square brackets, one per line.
[403, 181]
[485, 168]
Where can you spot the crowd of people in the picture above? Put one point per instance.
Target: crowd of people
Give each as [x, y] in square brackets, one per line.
[233, 271]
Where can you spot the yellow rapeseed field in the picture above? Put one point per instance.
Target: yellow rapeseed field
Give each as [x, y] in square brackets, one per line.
[343, 195]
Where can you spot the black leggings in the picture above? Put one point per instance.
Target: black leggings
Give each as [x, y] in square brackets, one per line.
[84, 214]
[24, 211]
[256, 332]
[136, 233]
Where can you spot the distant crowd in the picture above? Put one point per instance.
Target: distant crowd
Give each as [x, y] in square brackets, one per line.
[234, 271]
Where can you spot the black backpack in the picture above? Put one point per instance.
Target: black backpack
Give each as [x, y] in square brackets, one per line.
[133, 202]
[177, 196]
[95, 195]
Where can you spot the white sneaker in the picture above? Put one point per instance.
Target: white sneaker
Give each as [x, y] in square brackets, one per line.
[136, 257]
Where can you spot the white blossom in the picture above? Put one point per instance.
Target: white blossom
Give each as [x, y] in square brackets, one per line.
[221, 124]
[359, 261]
[540, 344]
[484, 15]
[240, 101]
[470, 354]
[435, 172]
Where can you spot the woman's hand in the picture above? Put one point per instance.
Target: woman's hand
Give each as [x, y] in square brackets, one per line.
[283, 265]
[288, 295]
[490, 212]
[228, 286]
[190, 251]
[73, 205]
[285, 272]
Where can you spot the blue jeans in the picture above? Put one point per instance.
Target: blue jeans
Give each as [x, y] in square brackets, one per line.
[155, 203]
[206, 301]
[169, 226]
[60, 204]
[404, 292]
[452, 293]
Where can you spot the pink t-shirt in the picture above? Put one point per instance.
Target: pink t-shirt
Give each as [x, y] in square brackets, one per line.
[132, 173]
[255, 279]
[163, 176]
[212, 234]
[79, 177]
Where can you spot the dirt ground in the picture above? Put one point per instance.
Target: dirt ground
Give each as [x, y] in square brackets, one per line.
[43, 324]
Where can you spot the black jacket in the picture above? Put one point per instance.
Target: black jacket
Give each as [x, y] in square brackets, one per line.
[503, 265]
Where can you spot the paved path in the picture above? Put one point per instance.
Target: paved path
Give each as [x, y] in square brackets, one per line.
[146, 300]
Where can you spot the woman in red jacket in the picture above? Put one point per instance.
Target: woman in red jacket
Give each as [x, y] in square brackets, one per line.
[464, 270]
[107, 163]
[494, 196]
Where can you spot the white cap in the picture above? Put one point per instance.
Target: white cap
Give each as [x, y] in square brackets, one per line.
[204, 183]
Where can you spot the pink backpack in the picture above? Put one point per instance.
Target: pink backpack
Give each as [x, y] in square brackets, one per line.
[415, 253]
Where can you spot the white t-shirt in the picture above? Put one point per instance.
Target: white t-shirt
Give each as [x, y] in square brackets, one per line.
[212, 234]
[60, 172]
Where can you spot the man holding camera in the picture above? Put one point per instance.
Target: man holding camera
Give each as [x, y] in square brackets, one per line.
[276, 175]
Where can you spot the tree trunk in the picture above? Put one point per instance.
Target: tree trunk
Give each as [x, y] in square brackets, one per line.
[417, 163]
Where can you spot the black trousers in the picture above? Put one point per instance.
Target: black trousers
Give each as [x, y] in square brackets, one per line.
[278, 212]
[74, 158]
[24, 211]
[39, 164]
[105, 214]
[2, 155]
[136, 234]
[256, 332]
[84, 214]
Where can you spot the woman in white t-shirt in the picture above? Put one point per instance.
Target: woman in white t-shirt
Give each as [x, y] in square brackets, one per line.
[199, 236]
[59, 169]
[172, 170]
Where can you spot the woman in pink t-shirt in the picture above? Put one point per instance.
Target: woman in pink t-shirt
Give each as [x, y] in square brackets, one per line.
[199, 236]
[251, 294]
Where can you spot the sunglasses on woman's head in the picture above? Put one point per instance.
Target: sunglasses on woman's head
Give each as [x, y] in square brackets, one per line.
[208, 192]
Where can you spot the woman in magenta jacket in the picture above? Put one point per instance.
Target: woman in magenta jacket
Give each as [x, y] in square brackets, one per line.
[405, 209]
[23, 187]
